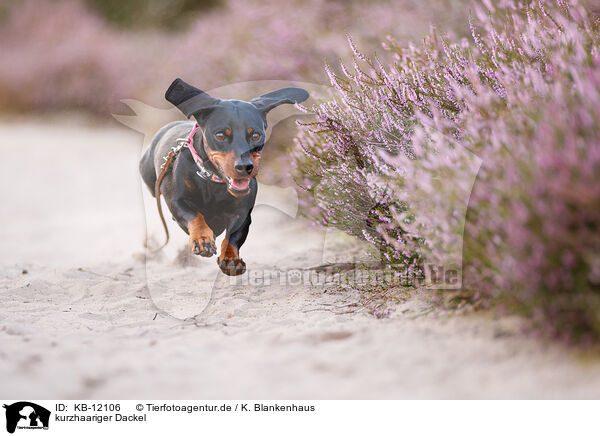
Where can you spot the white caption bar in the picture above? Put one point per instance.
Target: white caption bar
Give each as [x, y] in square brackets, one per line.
[163, 417]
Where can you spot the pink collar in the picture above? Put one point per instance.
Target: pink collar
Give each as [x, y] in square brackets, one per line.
[203, 172]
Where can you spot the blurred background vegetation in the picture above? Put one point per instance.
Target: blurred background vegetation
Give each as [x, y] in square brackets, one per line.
[151, 13]
[139, 13]
[87, 55]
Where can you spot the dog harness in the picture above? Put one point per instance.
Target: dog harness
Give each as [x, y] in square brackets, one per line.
[203, 172]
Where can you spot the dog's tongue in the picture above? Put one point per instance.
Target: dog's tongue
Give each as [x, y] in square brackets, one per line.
[240, 184]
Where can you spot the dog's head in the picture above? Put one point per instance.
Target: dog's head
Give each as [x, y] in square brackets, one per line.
[234, 130]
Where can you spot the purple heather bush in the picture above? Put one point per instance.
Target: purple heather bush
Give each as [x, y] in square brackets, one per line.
[392, 157]
[534, 219]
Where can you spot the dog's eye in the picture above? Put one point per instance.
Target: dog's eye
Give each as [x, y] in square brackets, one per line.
[255, 136]
[220, 136]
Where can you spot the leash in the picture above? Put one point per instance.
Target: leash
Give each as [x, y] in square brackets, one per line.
[202, 172]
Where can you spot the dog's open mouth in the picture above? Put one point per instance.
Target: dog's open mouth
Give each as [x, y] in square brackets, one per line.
[238, 185]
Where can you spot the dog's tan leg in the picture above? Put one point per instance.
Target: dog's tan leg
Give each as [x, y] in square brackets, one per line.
[202, 238]
[229, 260]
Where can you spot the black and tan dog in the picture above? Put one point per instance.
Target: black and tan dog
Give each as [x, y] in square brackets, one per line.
[209, 178]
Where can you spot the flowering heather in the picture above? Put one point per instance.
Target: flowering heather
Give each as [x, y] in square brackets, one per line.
[534, 218]
[392, 157]
[354, 160]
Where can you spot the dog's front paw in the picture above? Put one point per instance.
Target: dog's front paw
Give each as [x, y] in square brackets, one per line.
[232, 266]
[204, 248]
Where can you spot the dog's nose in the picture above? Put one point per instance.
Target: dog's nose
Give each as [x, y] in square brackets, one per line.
[243, 167]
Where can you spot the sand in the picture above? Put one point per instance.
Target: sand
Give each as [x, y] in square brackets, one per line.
[87, 313]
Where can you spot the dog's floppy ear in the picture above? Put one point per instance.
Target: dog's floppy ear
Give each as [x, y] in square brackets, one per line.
[273, 99]
[189, 99]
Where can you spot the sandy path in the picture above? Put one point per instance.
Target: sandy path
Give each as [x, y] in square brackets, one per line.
[89, 320]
